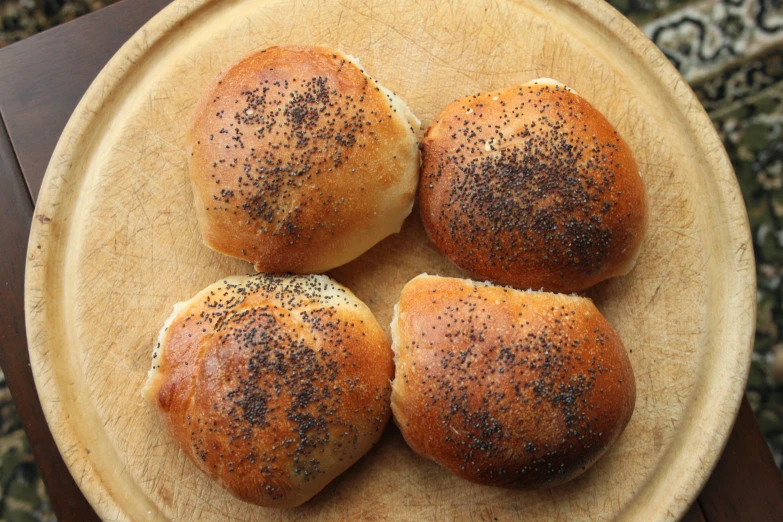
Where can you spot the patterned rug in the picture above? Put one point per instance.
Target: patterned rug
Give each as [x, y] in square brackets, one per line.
[731, 52]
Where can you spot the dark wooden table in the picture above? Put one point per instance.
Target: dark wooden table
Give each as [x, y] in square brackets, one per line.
[41, 81]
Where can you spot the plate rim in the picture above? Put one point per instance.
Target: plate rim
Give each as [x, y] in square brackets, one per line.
[106, 83]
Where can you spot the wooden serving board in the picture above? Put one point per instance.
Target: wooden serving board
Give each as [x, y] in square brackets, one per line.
[115, 244]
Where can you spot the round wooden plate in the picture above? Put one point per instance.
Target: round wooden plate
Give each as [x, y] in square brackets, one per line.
[115, 245]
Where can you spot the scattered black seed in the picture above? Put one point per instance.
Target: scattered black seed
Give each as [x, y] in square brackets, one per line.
[280, 343]
[535, 198]
[485, 367]
[305, 130]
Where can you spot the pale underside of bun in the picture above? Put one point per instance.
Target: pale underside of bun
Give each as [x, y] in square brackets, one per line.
[300, 161]
[505, 387]
[532, 187]
[272, 385]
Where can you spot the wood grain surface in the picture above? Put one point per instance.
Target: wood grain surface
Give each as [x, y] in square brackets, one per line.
[47, 88]
[694, 514]
[16, 213]
[119, 246]
[743, 463]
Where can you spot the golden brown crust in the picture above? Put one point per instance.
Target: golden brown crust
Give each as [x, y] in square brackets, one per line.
[299, 161]
[272, 385]
[532, 187]
[507, 388]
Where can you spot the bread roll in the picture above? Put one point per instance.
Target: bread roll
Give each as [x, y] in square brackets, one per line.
[532, 187]
[300, 161]
[504, 387]
[272, 385]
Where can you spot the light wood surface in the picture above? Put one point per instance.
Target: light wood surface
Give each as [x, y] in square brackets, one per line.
[114, 245]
